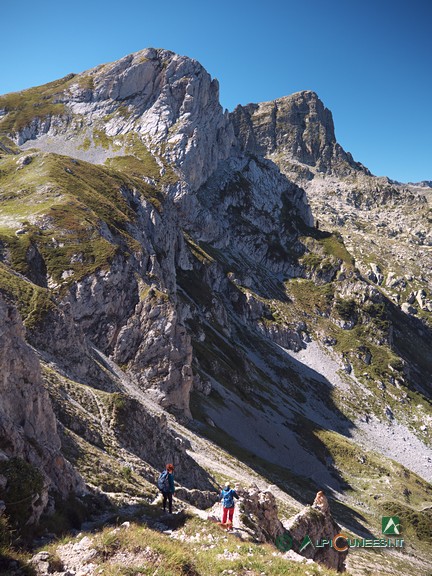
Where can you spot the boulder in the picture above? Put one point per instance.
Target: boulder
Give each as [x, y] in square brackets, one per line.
[408, 309]
[259, 513]
[421, 298]
[377, 274]
[255, 515]
[201, 499]
[315, 524]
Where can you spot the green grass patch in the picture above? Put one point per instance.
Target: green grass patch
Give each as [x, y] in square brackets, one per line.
[39, 102]
[7, 146]
[85, 82]
[86, 144]
[325, 251]
[345, 308]
[349, 458]
[100, 138]
[311, 260]
[334, 246]
[132, 166]
[414, 523]
[103, 468]
[138, 161]
[72, 199]
[33, 301]
[353, 343]
[203, 557]
[308, 296]
[371, 474]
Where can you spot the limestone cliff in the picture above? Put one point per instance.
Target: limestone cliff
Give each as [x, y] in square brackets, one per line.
[170, 101]
[28, 429]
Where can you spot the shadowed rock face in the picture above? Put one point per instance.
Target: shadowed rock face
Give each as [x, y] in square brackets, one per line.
[27, 423]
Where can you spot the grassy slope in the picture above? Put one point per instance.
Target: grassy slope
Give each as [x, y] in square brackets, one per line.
[196, 548]
[74, 214]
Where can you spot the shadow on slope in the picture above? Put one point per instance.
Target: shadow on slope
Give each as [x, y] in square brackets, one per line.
[270, 412]
[412, 341]
[301, 488]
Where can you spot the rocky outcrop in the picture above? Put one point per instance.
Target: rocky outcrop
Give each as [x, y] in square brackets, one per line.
[300, 126]
[282, 335]
[256, 517]
[169, 100]
[316, 524]
[259, 513]
[27, 422]
[255, 514]
[201, 499]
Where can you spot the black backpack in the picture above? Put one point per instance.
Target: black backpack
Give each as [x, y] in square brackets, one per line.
[163, 482]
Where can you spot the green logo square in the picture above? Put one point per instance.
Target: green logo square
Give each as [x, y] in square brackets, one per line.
[391, 525]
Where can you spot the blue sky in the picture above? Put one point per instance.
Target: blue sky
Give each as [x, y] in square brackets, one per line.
[370, 61]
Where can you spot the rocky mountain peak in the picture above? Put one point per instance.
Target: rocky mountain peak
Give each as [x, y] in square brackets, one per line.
[165, 101]
[298, 126]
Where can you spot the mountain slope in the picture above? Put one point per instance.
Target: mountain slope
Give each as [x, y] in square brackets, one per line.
[165, 256]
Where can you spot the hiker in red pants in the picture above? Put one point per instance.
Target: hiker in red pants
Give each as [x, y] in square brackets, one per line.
[228, 495]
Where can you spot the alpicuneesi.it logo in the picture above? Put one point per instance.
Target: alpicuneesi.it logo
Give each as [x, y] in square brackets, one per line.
[391, 525]
[341, 542]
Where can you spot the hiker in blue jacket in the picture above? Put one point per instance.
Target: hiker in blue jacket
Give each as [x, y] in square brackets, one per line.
[169, 489]
[228, 495]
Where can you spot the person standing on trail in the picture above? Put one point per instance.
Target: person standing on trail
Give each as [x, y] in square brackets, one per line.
[228, 495]
[166, 486]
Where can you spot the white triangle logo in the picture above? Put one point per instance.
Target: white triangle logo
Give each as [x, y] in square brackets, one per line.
[391, 524]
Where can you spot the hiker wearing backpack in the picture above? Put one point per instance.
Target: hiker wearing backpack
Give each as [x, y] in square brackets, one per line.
[228, 495]
[166, 486]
